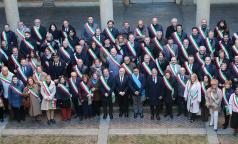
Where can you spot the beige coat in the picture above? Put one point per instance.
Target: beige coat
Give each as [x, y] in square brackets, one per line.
[213, 100]
[48, 101]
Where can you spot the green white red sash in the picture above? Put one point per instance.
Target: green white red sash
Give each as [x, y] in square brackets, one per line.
[4, 36]
[33, 92]
[218, 62]
[110, 56]
[184, 51]
[203, 87]
[235, 99]
[177, 39]
[15, 61]
[4, 54]
[220, 33]
[119, 49]
[171, 51]
[181, 81]
[89, 28]
[65, 53]
[19, 69]
[69, 44]
[224, 97]
[104, 83]
[200, 60]
[206, 71]
[209, 45]
[235, 49]
[147, 68]
[146, 50]
[73, 85]
[33, 63]
[235, 35]
[64, 89]
[110, 35]
[173, 69]
[36, 30]
[159, 67]
[131, 48]
[78, 71]
[99, 44]
[194, 43]
[65, 34]
[20, 34]
[189, 70]
[224, 49]
[153, 30]
[46, 88]
[234, 68]
[168, 85]
[85, 88]
[138, 32]
[51, 48]
[158, 44]
[28, 44]
[202, 33]
[37, 76]
[15, 89]
[127, 68]
[92, 54]
[222, 75]
[6, 80]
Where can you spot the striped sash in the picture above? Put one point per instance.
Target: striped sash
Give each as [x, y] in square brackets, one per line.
[203, 87]
[173, 69]
[222, 75]
[200, 60]
[110, 56]
[220, 33]
[131, 48]
[15, 61]
[51, 48]
[235, 99]
[235, 35]
[85, 88]
[181, 81]
[235, 49]
[4, 54]
[28, 44]
[158, 44]
[139, 32]
[177, 39]
[4, 36]
[147, 68]
[24, 77]
[189, 70]
[110, 35]
[147, 51]
[218, 62]
[73, 86]
[20, 34]
[46, 88]
[153, 30]
[171, 51]
[234, 68]
[201, 32]
[36, 30]
[64, 89]
[65, 53]
[127, 68]
[209, 45]
[89, 29]
[168, 85]
[99, 44]
[224, 49]
[92, 54]
[206, 71]
[226, 101]
[194, 43]
[6, 80]
[104, 83]
[31, 90]
[17, 90]
[159, 67]
[78, 71]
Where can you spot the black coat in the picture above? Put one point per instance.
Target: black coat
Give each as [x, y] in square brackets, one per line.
[56, 71]
[24, 49]
[168, 93]
[42, 31]
[121, 87]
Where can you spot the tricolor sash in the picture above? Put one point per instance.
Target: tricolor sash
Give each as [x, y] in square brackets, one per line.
[235, 49]
[92, 54]
[65, 34]
[65, 53]
[78, 71]
[159, 67]
[46, 88]
[131, 48]
[110, 35]
[177, 39]
[89, 28]
[85, 88]
[218, 62]
[203, 87]
[184, 51]
[147, 51]
[168, 85]
[202, 33]
[189, 70]
[36, 30]
[15, 61]
[200, 60]
[20, 34]
[15, 89]
[51, 48]
[64, 89]
[139, 32]
[224, 49]
[206, 71]
[235, 35]
[37, 76]
[234, 68]
[99, 44]
[33, 63]
[235, 99]
[4, 54]
[127, 68]
[153, 30]
[158, 44]
[222, 75]
[104, 83]
[69, 44]
[173, 69]
[24, 77]
[226, 101]
[73, 85]
[219, 32]
[33, 92]
[171, 51]
[147, 68]
[181, 81]
[28, 44]
[194, 43]
[5, 79]
[4, 36]
[209, 45]
[110, 56]
[119, 49]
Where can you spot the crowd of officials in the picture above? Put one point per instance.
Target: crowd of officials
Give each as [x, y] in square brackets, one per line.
[45, 69]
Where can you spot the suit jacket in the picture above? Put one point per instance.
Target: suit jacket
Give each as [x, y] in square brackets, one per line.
[133, 85]
[180, 87]
[168, 55]
[27, 70]
[24, 50]
[110, 82]
[121, 86]
[71, 89]
[86, 34]
[168, 93]
[114, 32]
[157, 27]
[169, 31]
[11, 39]
[113, 68]
[42, 31]
[56, 71]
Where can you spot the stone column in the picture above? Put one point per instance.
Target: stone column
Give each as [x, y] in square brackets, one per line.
[203, 11]
[12, 13]
[106, 12]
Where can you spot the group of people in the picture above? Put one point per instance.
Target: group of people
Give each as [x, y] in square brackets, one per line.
[45, 69]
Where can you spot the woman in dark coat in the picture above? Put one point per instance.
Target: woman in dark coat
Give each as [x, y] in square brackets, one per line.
[96, 94]
[57, 34]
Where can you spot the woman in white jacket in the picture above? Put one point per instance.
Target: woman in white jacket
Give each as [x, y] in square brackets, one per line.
[233, 109]
[192, 95]
[48, 90]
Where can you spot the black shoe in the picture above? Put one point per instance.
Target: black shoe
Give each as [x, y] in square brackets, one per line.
[158, 117]
[141, 115]
[191, 120]
[80, 118]
[48, 122]
[165, 115]
[52, 121]
[178, 114]
[111, 116]
[126, 115]
[152, 117]
[186, 115]
[235, 134]
[2, 120]
[104, 116]
[120, 114]
[215, 130]
[171, 116]
[75, 116]
[135, 115]
[224, 126]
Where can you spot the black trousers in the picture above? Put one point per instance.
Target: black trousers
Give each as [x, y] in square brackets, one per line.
[77, 107]
[1, 113]
[19, 113]
[181, 105]
[96, 107]
[168, 107]
[227, 118]
[107, 102]
[123, 103]
[154, 110]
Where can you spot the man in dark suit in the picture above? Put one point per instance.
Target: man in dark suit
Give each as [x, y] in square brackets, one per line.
[14, 56]
[107, 93]
[155, 88]
[132, 44]
[66, 27]
[211, 68]
[191, 66]
[38, 32]
[121, 91]
[9, 36]
[56, 68]
[137, 84]
[172, 28]
[154, 26]
[99, 36]
[24, 71]
[111, 29]
[27, 45]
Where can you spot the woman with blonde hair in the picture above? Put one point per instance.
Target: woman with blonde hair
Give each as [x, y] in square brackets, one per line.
[213, 102]
[192, 95]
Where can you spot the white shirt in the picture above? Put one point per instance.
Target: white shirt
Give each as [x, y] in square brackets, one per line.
[233, 106]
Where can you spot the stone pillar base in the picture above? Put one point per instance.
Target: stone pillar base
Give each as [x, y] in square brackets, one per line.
[48, 3]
